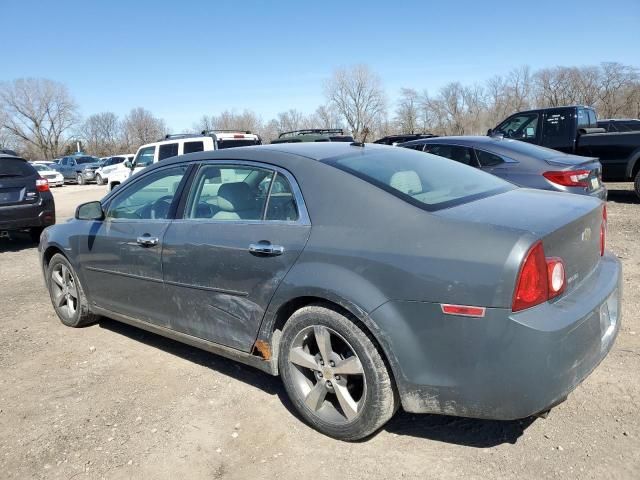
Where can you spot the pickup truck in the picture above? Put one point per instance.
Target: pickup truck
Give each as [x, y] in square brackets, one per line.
[78, 168]
[574, 129]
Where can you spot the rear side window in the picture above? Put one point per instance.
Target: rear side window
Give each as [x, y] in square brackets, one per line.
[487, 159]
[168, 150]
[15, 167]
[191, 147]
[453, 152]
[431, 185]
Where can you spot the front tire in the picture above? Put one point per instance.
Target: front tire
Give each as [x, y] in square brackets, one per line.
[80, 179]
[99, 180]
[636, 183]
[335, 375]
[67, 294]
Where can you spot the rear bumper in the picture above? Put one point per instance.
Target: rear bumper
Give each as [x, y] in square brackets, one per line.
[504, 366]
[17, 217]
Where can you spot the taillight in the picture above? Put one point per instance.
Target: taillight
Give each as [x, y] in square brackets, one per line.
[540, 279]
[569, 178]
[42, 185]
[603, 230]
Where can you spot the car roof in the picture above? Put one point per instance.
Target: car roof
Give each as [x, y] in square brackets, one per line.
[319, 151]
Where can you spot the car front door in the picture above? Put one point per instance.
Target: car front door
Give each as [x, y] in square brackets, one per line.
[121, 255]
[64, 167]
[244, 225]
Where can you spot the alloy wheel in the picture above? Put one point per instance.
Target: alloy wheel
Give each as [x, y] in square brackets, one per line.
[327, 374]
[65, 291]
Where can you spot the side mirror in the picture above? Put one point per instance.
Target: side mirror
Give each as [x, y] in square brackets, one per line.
[90, 211]
[128, 164]
[489, 132]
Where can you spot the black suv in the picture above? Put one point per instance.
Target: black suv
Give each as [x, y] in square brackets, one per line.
[314, 135]
[25, 200]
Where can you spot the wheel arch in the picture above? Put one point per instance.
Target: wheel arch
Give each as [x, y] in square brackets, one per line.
[268, 341]
[633, 166]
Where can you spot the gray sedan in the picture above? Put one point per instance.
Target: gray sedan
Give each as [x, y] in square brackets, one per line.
[521, 163]
[365, 276]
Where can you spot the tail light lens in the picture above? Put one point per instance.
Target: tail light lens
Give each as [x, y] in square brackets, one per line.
[42, 185]
[540, 279]
[569, 178]
[603, 230]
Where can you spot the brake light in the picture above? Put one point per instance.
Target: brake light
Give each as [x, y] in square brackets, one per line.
[603, 230]
[42, 185]
[569, 178]
[238, 136]
[540, 279]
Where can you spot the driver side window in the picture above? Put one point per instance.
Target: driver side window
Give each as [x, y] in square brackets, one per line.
[520, 126]
[149, 198]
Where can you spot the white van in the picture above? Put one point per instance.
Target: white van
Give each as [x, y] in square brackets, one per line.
[180, 144]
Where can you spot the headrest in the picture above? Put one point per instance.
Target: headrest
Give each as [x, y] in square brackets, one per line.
[407, 182]
[234, 197]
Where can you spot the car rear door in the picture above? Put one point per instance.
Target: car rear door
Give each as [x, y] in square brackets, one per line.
[243, 227]
[121, 255]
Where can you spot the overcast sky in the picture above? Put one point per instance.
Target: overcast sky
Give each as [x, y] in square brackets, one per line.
[184, 59]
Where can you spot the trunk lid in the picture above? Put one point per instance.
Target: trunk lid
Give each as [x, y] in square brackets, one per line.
[568, 225]
[575, 162]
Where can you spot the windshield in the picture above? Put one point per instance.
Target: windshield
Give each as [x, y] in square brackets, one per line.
[427, 181]
[81, 160]
[237, 143]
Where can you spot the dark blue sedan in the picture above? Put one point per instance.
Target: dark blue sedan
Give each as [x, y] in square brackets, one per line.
[521, 163]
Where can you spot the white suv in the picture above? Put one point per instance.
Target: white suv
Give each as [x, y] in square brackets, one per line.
[110, 164]
[180, 144]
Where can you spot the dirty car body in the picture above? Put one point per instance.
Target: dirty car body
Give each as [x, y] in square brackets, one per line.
[428, 268]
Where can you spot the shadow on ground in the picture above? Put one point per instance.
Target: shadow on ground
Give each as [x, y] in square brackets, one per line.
[622, 196]
[460, 431]
[16, 242]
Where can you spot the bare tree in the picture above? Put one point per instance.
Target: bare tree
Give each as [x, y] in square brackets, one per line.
[357, 94]
[140, 127]
[326, 116]
[101, 133]
[408, 111]
[229, 120]
[38, 113]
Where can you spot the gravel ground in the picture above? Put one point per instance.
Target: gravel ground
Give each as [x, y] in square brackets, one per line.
[112, 401]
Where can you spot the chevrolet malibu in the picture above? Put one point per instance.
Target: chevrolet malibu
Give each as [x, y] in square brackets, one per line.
[367, 277]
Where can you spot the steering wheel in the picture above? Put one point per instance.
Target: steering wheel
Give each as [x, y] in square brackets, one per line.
[160, 208]
[510, 132]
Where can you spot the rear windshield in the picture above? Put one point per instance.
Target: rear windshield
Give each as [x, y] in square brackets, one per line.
[237, 143]
[427, 181]
[523, 148]
[41, 168]
[80, 160]
[15, 167]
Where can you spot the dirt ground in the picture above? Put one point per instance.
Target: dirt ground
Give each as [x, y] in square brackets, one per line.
[111, 401]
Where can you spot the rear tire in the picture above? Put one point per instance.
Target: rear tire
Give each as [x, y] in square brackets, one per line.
[67, 294]
[348, 395]
[636, 183]
[80, 179]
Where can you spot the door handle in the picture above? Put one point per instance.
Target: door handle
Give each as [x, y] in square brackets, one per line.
[147, 241]
[266, 249]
